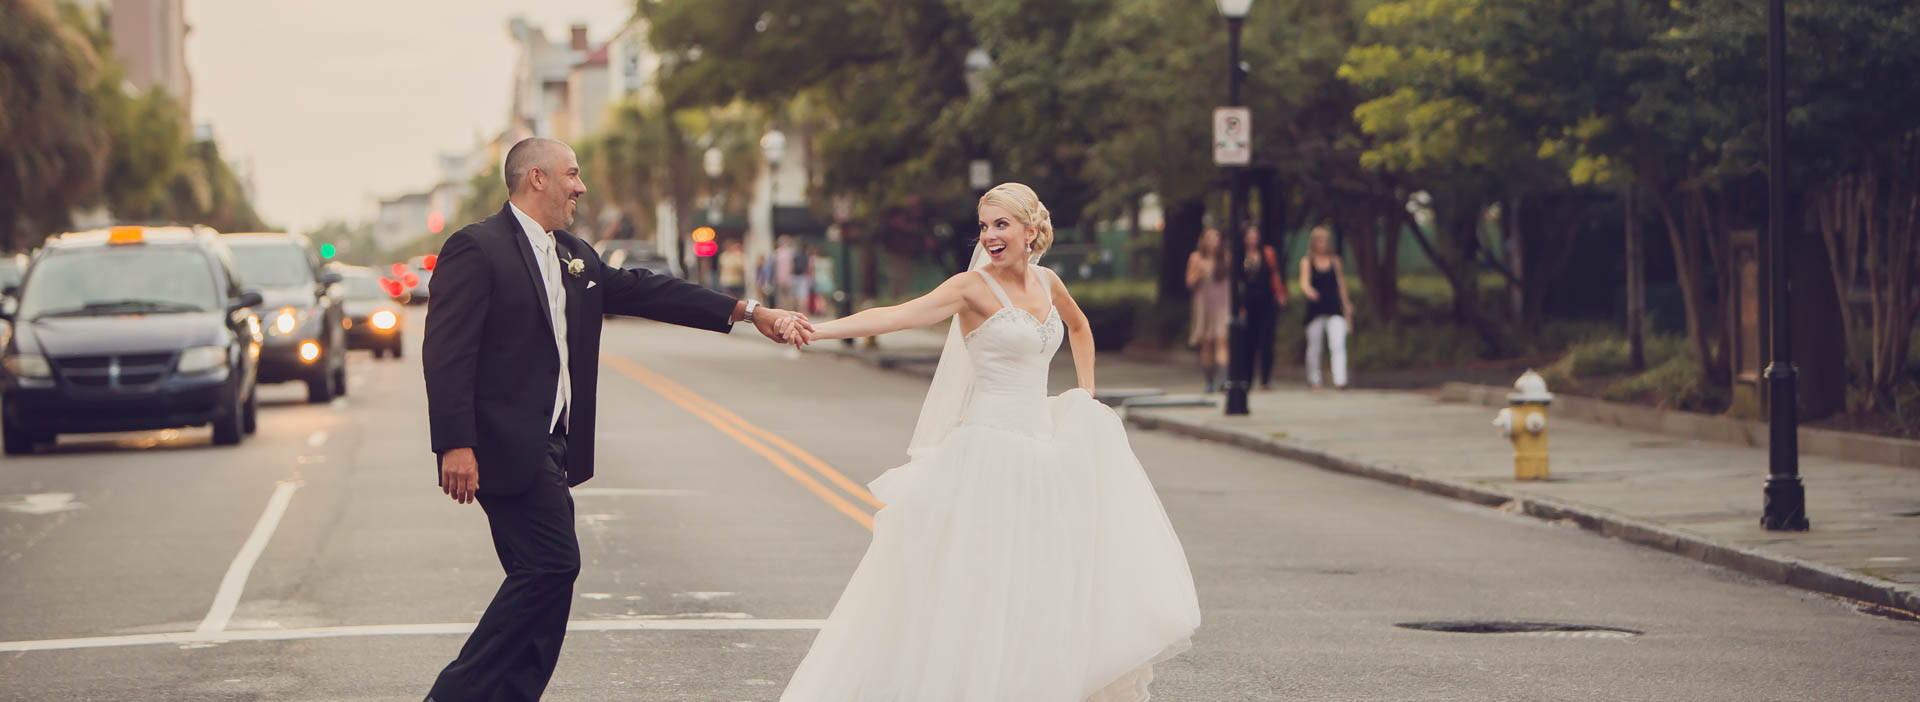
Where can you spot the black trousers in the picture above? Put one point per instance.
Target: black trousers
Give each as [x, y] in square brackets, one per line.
[1263, 323]
[513, 650]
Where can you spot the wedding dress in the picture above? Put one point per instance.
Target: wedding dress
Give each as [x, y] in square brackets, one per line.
[1022, 555]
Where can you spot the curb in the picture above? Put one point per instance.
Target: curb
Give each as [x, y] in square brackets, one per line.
[1784, 570]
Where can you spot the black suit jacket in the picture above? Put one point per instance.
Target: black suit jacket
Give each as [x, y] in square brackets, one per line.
[490, 361]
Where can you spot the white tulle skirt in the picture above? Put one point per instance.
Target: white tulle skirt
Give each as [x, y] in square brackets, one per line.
[1010, 567]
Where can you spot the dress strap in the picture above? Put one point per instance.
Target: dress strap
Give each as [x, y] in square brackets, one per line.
[994, 285]
[1047, 285]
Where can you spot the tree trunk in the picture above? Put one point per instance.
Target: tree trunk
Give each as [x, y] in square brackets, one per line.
[1636, 287]
[1184, 221]
[1376, 254]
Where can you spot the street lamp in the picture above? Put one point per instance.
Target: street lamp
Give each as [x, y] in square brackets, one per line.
[979, 167]
[1786, 498]
[1239, 342]
[713, 162]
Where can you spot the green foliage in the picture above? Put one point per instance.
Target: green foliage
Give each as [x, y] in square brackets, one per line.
[53, 136]
[1606, 358]
[1674, 384]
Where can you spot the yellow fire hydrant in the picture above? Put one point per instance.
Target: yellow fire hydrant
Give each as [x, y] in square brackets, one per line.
[1525, 424]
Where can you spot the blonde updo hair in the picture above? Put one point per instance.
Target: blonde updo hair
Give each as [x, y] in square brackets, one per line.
[1021, 202]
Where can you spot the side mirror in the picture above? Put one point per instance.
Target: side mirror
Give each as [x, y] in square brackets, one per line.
[250, 298]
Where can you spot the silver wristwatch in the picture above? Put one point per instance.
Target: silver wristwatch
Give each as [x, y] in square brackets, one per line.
[748, 315]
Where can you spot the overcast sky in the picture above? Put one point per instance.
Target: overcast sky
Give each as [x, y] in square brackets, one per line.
[338, 102]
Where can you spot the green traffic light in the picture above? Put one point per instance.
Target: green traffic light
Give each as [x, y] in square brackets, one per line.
[326, 250]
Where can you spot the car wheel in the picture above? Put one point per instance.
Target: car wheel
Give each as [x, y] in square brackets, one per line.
[397, 345]
[379, 353]
[228, 430]
[250, 417]
[320, 388]
[18, 441]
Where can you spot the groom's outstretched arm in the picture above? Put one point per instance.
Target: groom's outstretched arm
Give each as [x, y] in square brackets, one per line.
[643, 293]
[456, 321]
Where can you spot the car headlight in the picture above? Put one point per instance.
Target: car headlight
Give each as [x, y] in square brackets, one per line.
[201, 359]
[384, 320]
[29, 365]
[286, 321]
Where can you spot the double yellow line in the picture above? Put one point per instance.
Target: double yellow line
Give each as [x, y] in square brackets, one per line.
[768, 444]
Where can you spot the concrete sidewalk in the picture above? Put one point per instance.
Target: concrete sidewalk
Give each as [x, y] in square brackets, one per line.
[1694, 498]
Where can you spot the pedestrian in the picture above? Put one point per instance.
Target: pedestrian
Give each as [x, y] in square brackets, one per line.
[1207, 279]
[1023, 555]
[1328, 308]
[733, 269]
[783, 273]
[822, 270]
[801, 290]
[512, 360]
[1266, 295]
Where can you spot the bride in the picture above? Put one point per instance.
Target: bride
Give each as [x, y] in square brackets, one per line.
[1022, 555]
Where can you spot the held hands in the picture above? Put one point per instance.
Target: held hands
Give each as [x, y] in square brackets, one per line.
[459, 475]
[782, 326]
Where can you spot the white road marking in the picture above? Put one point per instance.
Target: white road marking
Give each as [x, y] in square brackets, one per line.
[1888, 559]
[703, 596]
[318, 438]
[634, 492]
[231, 586]
[44, 503]
[183, 638]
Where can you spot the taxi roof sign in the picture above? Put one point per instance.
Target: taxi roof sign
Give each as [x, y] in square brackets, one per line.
[126, 235]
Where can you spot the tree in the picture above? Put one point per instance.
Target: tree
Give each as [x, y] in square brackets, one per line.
[53, 141]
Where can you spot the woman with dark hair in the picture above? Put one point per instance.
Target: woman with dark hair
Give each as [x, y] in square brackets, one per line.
[1266, 296]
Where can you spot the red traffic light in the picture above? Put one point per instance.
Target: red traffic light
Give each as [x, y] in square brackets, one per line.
[704, 249]
[428, 261]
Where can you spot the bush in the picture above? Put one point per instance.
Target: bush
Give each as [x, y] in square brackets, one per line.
[1604, 357]
[1113, 309]
[1378, 347]
[1673, 384]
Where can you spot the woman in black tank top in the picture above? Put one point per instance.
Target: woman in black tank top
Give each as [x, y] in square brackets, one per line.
[1328, 308]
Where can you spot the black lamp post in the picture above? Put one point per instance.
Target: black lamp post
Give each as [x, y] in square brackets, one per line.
[1786, 498]
[1239, 353]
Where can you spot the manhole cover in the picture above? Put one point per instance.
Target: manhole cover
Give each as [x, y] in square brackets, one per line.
[1570, 631]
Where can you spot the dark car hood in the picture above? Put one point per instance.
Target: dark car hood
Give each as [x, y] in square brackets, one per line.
[367, 306]
[276, 298]
[119, 334]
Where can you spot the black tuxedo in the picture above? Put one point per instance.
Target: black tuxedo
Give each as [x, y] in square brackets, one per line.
[492, 370]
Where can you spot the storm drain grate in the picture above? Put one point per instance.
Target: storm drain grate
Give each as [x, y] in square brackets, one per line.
[1549, 629]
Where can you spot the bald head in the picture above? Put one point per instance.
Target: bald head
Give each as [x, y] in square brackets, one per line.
[543, 180]
[530, 153]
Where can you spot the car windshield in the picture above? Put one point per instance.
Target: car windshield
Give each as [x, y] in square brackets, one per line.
[365, 287]
[114, 280]
[275, 266]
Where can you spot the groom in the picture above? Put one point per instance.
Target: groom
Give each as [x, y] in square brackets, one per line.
[512, 358]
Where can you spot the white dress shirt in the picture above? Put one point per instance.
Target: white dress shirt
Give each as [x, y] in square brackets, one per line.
[544, 255]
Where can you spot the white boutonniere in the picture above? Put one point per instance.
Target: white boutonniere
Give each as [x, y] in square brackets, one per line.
[575, 267]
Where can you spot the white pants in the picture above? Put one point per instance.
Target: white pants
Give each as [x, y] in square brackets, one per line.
[1327, 331]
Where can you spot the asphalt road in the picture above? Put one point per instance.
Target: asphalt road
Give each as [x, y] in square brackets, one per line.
[716, 537]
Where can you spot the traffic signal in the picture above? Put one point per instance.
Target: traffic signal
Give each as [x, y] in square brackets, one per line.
[706, 248]
[703, 234]
[327, 251]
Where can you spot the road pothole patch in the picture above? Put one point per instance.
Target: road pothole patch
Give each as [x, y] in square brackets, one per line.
[1546, 629]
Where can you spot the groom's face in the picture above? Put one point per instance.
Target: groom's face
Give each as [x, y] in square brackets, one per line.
[563, 186]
